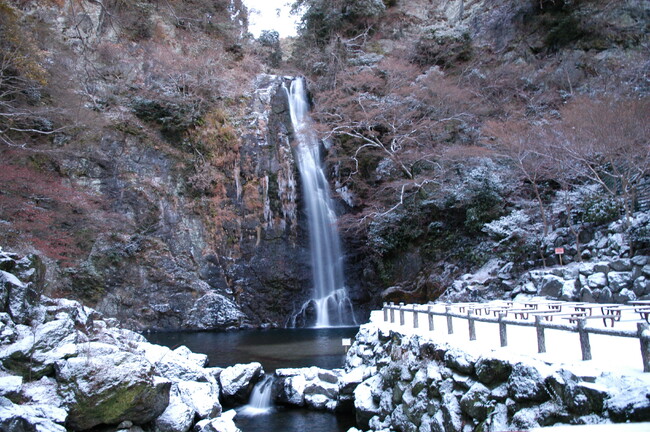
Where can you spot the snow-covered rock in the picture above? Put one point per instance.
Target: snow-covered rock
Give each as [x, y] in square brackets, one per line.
[238, 381]
[312, 387]
[364, 401]
[178, 416]
[14, 417]
[10, 386]
[223, 423]
[202, 397]
[111, 388]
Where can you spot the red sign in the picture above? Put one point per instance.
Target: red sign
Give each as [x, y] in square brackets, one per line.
[559, 251]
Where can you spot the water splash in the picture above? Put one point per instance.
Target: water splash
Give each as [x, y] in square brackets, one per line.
[330, 305]
[261, 401]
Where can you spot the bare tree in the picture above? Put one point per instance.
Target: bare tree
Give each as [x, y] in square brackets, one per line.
[610, 142]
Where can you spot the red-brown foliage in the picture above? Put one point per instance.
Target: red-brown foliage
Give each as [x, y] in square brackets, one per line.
[37, 208]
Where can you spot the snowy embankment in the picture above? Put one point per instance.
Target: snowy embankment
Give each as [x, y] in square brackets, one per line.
[66, 367]
[422, 381]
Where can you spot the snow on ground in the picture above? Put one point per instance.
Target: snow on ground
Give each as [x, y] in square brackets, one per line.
[621, 355]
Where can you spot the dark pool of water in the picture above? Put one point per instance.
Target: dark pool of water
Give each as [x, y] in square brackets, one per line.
[273, 348]
[283, 419]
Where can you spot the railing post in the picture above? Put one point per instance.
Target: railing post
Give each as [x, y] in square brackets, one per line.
[643, 330]
[392, 312]
[503, 334]
[415, 317]
[472, 325]
[450, 325]
[385, 312]
[401, 314]
[585, 346]
[430, 318]
[541, 338]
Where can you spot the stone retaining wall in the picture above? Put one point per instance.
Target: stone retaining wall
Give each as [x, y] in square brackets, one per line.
[414, 384]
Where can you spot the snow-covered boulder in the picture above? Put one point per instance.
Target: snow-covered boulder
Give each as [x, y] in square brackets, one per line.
[364, 400]
[10, 386]
[526, 384]
[312, 387]
[14, 417]
[111, 388]
[203, 397]
[223, 423]
[178, 416]
[213, 311]
[238, 381]
[176, 365]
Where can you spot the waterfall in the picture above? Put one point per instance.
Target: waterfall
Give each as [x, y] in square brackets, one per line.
[331, 304]
[260, 401]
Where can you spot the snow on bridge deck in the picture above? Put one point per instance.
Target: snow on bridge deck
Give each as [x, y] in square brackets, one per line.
[563, 346]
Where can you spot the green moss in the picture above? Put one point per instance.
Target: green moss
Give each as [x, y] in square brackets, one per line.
[109, 407]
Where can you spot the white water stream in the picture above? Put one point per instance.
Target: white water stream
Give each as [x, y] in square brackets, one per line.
[331, 302]
[261, 399]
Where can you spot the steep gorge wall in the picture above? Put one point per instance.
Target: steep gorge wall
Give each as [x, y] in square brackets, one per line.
[165, 194]
[235, 262]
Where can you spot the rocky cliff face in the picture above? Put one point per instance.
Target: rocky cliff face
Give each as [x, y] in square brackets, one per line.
[164, 191]
[196, 265]
[410, 94]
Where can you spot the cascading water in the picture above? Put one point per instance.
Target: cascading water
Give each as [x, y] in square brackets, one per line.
[260, 402]
[331, 302]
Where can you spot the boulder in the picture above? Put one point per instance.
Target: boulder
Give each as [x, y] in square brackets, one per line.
[213, 311]
[587, 295]
[451, 412]
[111, 388]
[364, 402]
[569, 290]
[526, 384]
[238, 381]
[18, 418]
[597, 280]
[10, 387]
[621, 265]
[223, 423]
[476, 402]
[19, 298]
[460, 360]
[178, 416]
[202, 397]
[43, 391]
[312, 387]
[492, 370]
[291, 390]
[551, 285]
[174, 365]
[624, 296]
[619, 280]
[199, 359]
[641, 286]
